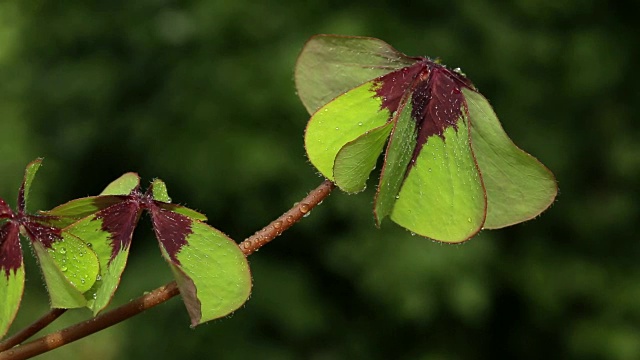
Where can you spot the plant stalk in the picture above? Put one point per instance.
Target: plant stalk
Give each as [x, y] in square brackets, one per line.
[165, 292]
[32, 329]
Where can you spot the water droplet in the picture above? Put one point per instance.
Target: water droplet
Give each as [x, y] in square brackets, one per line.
[290, 219]
[469, 219]
[337, 128]
[360, 124]
[277, 224]
[62, 250]
[64, 269]
[397, 196]
[429, 169]
[82, 280]
[304, 208]
[413, 234]
[89, 244]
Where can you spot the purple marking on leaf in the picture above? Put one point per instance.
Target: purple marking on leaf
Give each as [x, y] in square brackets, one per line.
[392, 86]
[436, 97]
[119, 220]
[172, 230]
[437, 103]
[10, 251]
[44, 234]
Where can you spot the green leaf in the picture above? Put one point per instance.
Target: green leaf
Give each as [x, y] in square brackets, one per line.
[70, 268]
[397, 159]
[105, 225]
[211, 271]
[11, 289]
[66, 214]
[159, 191]
[329, 65]
[116, 192]
[29, 175]
[449, 170]
[341, 122]
[123, 185]
[108, 233]
[518, 186]
[190, 213]
[357, 158]
[11, 275]
[441, 196]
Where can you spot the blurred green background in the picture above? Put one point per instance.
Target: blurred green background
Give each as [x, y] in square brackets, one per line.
[201, 94]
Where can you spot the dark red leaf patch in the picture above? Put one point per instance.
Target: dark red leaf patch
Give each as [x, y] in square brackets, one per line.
[436, 97]
[391, 87]
[119, 220]
[44, 234]
[172, 230]
[10, 251]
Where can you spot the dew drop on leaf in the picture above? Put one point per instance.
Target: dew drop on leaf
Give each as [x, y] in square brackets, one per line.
[62, 250]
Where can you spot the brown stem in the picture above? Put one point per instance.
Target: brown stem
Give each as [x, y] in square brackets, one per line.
[80, 330]
[166, 292]
[286, 220]
[32, 329]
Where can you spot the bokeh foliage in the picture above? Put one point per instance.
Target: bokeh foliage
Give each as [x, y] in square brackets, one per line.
[201, 94]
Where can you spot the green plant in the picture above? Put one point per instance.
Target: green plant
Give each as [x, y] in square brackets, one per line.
[449, 171]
